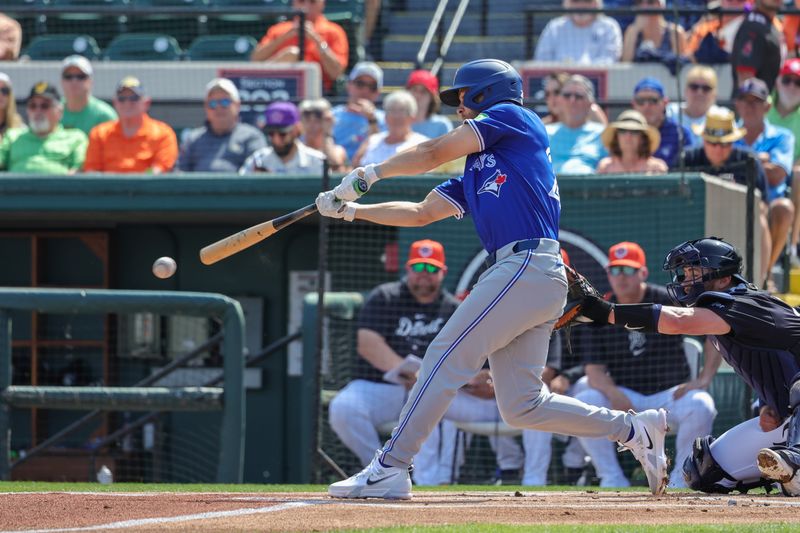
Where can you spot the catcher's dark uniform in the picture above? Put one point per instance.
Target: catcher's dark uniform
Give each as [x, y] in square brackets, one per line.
[763, 347]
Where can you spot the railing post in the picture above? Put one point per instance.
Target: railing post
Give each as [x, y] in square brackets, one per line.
[231, 462]
[5, 382]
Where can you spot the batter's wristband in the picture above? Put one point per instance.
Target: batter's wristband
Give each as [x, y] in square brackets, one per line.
[642, 317]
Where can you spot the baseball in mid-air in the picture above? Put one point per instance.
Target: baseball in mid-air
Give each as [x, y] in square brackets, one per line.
[164, 267]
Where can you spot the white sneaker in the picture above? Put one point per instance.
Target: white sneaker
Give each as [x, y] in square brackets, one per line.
[375, 481]
[647, 445]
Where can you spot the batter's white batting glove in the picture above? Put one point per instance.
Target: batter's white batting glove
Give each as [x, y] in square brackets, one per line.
[356, 183]
[330, 206]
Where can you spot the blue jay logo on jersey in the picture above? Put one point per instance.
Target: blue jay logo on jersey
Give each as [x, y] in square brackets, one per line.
[494, 183]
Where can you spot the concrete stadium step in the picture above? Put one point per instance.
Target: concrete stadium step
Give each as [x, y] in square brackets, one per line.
[396, 73]
[405, 48]
[499, 24]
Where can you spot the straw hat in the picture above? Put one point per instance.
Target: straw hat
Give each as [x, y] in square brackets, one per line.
[631, 120]
[720, 126]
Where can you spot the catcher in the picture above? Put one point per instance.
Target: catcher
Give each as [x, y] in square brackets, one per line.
[757, 334]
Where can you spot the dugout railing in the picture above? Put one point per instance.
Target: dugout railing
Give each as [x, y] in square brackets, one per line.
[228, 399]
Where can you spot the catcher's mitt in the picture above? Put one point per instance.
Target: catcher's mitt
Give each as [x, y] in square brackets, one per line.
[578, 288]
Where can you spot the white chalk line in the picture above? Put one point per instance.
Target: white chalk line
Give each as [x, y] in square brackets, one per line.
[173, 519]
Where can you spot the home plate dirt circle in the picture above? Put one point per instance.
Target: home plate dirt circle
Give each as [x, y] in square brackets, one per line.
[81, 511]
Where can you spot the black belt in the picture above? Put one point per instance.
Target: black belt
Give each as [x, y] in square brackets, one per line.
[530, 244]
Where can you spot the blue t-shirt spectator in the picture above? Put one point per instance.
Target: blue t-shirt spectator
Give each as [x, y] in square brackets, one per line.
[435, 126]
[351, 129]
[576, 150]
[778, 142]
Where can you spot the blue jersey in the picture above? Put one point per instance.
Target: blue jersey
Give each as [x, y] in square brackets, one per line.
[509, 187]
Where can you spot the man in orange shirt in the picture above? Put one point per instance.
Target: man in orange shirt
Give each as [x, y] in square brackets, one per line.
[135, 142]
[326, 42]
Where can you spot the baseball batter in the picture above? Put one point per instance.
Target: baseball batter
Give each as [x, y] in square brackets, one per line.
[758, 335]
[509, 188]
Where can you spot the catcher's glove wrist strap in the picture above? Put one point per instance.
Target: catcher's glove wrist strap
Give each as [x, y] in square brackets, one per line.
[642, 317]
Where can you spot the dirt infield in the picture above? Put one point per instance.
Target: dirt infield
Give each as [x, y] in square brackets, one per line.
[315, 511]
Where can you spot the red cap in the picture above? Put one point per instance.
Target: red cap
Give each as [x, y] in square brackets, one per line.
[565, 257]
[424, 78]
[791, 66]
[626, 254]
[426, 251]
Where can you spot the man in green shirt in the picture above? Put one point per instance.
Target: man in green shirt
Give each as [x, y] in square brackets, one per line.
[785, 111]
[81, 109]
[44, 147]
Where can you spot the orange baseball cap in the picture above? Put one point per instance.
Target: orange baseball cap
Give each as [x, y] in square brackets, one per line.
[426, 251]
[626, 254]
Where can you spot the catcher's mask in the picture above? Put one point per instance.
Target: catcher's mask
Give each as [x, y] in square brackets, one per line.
[716, 259]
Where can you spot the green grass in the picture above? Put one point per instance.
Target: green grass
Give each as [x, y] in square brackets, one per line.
[616, 528]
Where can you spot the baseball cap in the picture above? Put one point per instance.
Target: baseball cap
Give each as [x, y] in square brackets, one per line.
[281, 115]
[79, 62]
[754, 87]
[224, 84]
[368, 68]
[426, 251]
[132, 83]
[791, 66]
[45, 90]
[649, 84]
[424, 78]
[626, 254]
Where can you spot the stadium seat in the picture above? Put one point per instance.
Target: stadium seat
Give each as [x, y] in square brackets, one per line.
[102, 27]
[185, 28]
[246, 23]
[221, 48]
[57, 47]
[143, 47]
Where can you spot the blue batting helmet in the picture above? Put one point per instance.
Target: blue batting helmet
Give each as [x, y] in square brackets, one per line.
[488, 82]
[714, 256]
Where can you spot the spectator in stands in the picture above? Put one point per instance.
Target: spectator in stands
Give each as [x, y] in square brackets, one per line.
[135, 142]
[791, 25]
[631, 141]
[355, 120]
[317, 119]
[400, 319]
[81, 109]
[710, 40]
[575, 144]
[553, 83]
[325, 43]
[628, 369]
[287, 155]
[9, 118]
[718, 156]
[785, 112]
[774, 147]
[581, 38]
[400, 109]
[223, 143]
[649, 100]
[44, 147]
[425, 88]
[650, 38]
[757, 48]
[700, 95]
[10, 38]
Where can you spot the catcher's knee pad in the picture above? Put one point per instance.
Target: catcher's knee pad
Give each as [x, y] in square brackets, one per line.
[702, 472]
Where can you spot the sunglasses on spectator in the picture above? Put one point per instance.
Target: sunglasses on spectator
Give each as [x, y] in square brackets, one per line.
[622, 270]
[645, 100]
[121, 98]
[314, 114]
[789, 80]
[70, 77]
[628, 132]
[361, 84]
[646, 2]
[576, 96]
[5, 91]
[719, 144]
[44, 106]
[224, 103]
[548, 94]
[279, 133]
[700, 87]
[425, 267]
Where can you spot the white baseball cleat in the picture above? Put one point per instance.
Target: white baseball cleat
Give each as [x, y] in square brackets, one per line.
[375, 481]
[647, 445]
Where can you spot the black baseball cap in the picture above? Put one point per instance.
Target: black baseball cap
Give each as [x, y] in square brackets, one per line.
[45, 90]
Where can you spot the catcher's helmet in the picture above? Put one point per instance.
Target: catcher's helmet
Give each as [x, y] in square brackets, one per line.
[488, 82]
[717, 259]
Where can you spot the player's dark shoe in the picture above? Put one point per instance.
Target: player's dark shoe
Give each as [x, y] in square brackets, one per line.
[375, 481]
[781, 464]
[647, 445]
